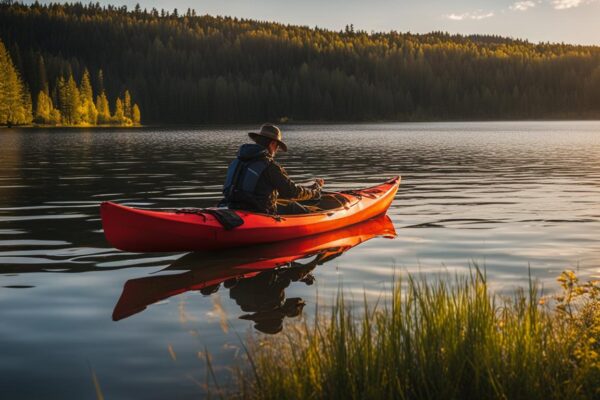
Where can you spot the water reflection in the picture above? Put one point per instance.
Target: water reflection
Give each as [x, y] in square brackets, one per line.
[256, 277]
[508, 195]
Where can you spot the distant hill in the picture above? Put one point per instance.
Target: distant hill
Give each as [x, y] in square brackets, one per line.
[184, 68]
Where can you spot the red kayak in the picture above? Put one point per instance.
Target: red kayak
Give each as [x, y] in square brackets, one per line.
[137, 230]
[210, 269]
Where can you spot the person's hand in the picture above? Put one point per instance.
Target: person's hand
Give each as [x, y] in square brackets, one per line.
[320, 182]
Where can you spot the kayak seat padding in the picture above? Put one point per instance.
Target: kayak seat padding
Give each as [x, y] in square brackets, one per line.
[228, 218]
[331, 201]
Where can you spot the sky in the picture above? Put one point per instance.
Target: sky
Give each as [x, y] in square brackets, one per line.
[568, 21]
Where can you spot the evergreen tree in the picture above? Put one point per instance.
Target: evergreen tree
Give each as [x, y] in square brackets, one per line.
[88, 111]
[45, 111]
[15, 100]
[42, 76]
[42, 109]
[74, 102]
[119, 116]
[70, 103]
[103, 109]
[86, 86]
[127, 105]
[61, 98]
[137, 116]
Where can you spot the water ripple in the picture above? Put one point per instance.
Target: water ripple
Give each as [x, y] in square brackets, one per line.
[42, 217]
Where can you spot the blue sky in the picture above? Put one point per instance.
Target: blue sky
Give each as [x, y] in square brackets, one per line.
[569, 21]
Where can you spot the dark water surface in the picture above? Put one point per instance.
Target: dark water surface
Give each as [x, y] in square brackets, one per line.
[506, 195]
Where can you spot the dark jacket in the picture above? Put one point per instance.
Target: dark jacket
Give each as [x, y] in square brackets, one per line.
[272, 184]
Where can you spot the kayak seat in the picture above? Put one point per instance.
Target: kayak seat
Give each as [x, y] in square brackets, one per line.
[331, 201]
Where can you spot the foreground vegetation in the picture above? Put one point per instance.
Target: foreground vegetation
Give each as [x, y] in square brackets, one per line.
[186, 68]
[435, 340]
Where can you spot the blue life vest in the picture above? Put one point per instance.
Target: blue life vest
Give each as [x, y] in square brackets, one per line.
[244, 173]
[243, 176]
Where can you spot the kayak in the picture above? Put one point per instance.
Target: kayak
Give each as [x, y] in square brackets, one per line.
[206, 270]
[139, 230]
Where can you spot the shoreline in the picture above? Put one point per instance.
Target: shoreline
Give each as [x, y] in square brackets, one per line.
[298, 123]
[35, 126]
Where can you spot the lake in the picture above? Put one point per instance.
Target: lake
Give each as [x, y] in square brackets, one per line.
[515, 198]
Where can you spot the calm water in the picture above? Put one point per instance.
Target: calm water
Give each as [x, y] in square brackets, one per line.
[505, 195]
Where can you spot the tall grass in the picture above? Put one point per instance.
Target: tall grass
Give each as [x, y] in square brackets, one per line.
[437, 340]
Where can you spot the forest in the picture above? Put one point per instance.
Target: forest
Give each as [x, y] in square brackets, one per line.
[75, 105]
[186, 68]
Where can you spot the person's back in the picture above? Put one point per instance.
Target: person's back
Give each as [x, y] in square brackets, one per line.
[255, 181]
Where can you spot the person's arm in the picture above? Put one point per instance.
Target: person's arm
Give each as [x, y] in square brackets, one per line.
[287, 188]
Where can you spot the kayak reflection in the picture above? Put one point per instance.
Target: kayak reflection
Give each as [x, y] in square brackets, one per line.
[256, 277]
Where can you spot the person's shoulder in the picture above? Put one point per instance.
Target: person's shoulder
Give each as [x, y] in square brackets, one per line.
[275, 164]
[272, 163]
[275, 168]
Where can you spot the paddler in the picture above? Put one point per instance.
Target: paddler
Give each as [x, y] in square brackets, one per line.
[255, 181]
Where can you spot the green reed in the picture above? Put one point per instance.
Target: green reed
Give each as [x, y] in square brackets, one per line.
[437, 340]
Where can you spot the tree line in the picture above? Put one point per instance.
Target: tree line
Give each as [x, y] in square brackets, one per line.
[75, 103]
[78, 107]
[190, 68]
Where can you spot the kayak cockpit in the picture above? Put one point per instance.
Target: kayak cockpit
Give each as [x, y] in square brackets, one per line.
[327, 203]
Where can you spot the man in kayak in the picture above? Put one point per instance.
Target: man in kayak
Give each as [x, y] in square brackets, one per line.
[255, 181]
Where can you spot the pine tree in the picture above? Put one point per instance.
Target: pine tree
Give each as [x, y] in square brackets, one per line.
[88, 111]
[42, 110]
[70, 105]
[55, 117]
[60, 91]
[127, 105]
[86, 86]
[137, 116]
[74, 101]
[15, 100]
[119, 116]
[38, 77]
[103, 109]
[45, 112]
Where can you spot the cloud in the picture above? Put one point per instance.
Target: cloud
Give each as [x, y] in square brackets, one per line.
[525, 5]
[566, 4]
[468, 15]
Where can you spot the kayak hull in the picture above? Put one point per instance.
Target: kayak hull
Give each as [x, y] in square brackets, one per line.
[138, 230]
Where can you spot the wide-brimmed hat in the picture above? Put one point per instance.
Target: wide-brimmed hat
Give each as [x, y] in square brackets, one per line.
[272, 132]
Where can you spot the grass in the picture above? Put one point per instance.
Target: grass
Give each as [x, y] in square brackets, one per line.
[437, 340]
